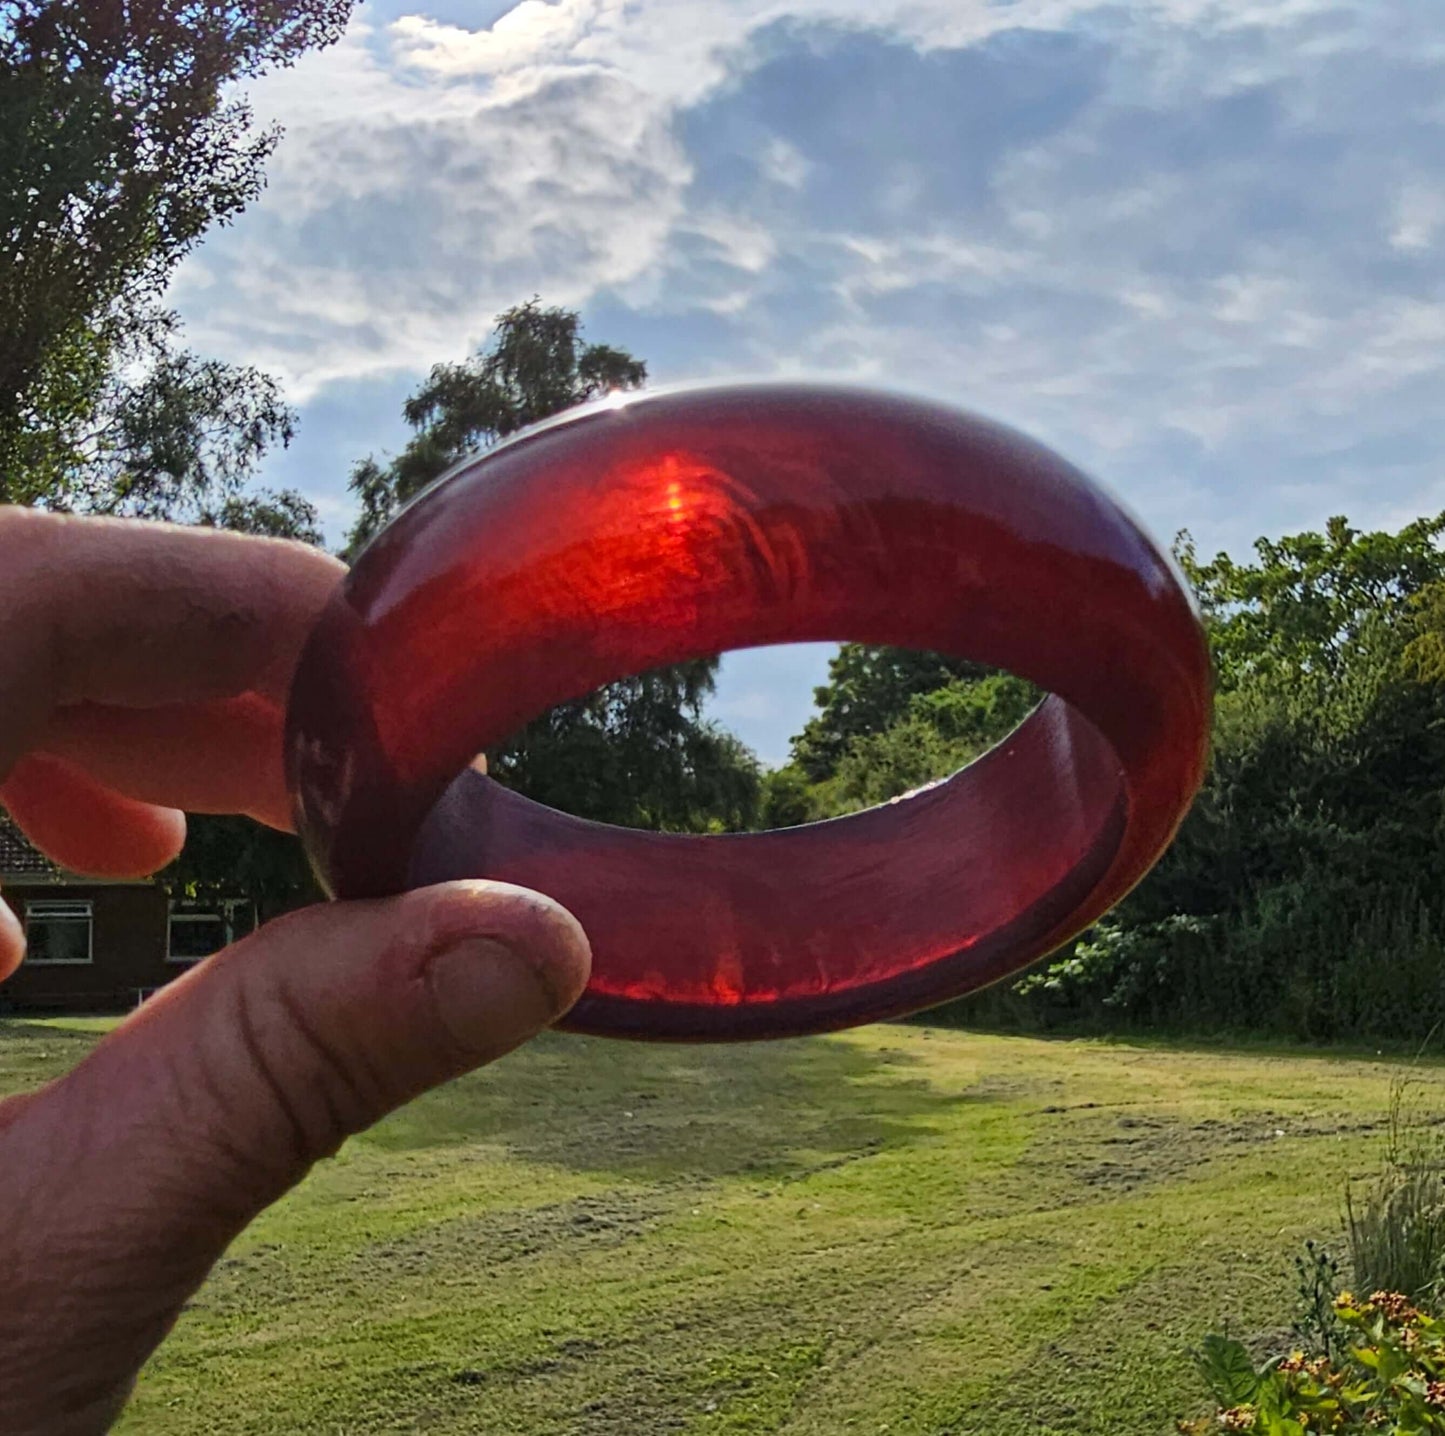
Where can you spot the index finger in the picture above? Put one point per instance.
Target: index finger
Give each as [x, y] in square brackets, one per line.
[145, 615]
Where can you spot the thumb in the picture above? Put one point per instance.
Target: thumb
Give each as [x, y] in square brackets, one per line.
[138, 1168]
[267, 1057]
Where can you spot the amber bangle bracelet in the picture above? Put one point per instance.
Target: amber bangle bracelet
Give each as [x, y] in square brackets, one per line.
[666, 527]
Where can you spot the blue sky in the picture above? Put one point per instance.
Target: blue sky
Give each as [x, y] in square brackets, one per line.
[1196, 245]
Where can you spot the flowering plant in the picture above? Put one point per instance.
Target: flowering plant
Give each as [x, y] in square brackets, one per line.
[1388, 1378]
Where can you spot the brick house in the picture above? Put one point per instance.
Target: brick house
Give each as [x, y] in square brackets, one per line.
[99, 946]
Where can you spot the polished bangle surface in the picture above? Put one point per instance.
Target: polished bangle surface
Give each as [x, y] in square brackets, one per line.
[646, 531]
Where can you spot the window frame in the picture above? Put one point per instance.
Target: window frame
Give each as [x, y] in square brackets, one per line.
[224, 913]
[176, 959]
[32, 959]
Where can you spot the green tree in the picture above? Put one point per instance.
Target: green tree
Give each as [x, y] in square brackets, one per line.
[638, 752]
[1305, 893]
[225, 856]
[1425, 653]
[535, 365]
[1309, 598]
[271, 514]
[788, 798]
[937, 731]
[180, 441]
[869, 688]
[891, 720]
[121, 143]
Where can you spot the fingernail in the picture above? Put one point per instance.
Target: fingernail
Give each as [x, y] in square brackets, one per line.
[489, 997]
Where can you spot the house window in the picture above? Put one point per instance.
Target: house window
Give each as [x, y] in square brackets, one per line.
[197, 931]
[194, 935]
[57, 933]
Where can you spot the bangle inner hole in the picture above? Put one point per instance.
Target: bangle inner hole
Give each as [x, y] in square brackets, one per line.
[777, 738]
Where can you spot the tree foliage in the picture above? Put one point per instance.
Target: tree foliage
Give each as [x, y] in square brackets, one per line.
[226, 855]
[640, 753]
[270, 513]
[890, 720]
[121, 143]
[179, 440]
[869, 688]
[1304, 605]
[1425, 652]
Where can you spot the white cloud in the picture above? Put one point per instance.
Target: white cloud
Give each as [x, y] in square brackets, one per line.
[783, 163]
[399, 220]
[530, 34]
[1419, 216]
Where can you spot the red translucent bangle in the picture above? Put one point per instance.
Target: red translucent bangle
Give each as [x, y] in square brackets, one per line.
[665, 527]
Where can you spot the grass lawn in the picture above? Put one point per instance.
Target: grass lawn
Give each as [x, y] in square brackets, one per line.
[902, 1230]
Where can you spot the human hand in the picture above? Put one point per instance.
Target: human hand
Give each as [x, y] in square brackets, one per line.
[143, 671]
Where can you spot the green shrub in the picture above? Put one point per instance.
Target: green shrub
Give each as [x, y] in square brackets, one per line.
[1389, 1378]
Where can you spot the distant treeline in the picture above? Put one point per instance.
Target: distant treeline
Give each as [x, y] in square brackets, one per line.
[1305, 894]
